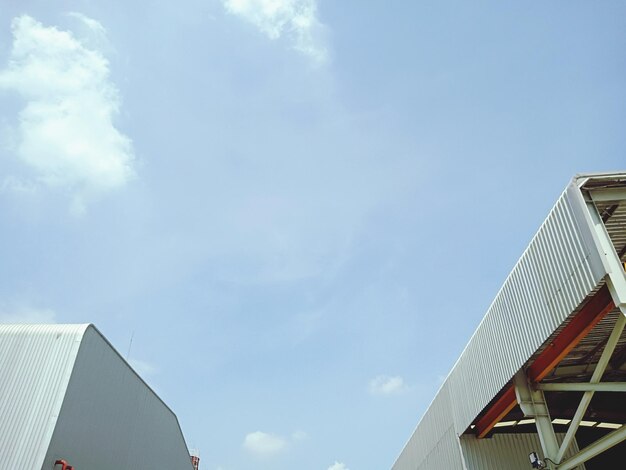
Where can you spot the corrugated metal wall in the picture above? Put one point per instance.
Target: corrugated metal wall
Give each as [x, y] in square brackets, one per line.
[553, 276]
[560, 267]
[434, 442]
[504, 451]
[111, 419]
[35, 366]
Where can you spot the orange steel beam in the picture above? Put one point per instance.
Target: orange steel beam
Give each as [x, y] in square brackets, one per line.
[584, 321]
[588, 317]
[496, 412]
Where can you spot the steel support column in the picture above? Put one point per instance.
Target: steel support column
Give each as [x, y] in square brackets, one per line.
[533, 405]
[589, 452]
[616, 277]
[590, 314]
[616, 283]
[595, 378]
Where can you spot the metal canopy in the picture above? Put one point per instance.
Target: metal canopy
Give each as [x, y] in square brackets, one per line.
[574, 358]
[557, 319]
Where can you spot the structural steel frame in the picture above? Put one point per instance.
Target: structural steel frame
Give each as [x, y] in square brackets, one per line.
[527, 389]
[588, 317]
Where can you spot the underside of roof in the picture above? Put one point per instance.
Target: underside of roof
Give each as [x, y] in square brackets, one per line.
[579, 364]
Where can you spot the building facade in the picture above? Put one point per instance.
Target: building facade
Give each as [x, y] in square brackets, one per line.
[67, 395]
[551, 344]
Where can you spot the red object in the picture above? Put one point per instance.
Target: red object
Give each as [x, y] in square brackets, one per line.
[584, 321]
[64, 465]
[588, 317]
[496, 412]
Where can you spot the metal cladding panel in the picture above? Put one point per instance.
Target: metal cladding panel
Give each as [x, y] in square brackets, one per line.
[558, 270]
[445, 453]
[509, 451]
[434, 444]
[554, 275]
[35, 366]
[111, 419]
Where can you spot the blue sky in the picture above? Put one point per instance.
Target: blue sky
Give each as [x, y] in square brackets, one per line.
[299, 210]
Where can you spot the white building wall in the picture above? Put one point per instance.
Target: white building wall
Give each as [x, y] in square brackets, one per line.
[560, 267]
[110, 419]
[36, 362]
[505, 451]
[434, 444]
[554, 275]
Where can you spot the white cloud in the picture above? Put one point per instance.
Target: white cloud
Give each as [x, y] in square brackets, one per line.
[66, 134]
[94, 25]
[386, 385]
[25, 314]
[264, 444]
[296, 19]
[338, 466]
[16, 185]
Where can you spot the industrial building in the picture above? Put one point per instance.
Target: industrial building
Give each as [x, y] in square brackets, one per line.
[539, 385]
[541, 382]
[69, 400]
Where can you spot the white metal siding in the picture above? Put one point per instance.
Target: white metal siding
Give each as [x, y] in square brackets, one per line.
[560, 267]
[505, 451]
[434, 444]
[111, 419]
[444, 454]
[35, 366]
[553, 276]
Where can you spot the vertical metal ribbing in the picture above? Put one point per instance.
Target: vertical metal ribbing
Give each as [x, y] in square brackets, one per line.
[36, 362]
[509, 451]
[553, 276]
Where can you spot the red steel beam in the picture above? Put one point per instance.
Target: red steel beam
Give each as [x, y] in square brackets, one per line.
[496, 412]
[584, 321]
[588, 317]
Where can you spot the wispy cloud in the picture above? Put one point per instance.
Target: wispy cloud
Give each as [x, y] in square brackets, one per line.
[338, 466]
[386, 385]
[26, 314]
[66, 133]
[16, 185]
[263, 444]
[295, 19]
[94, 25]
